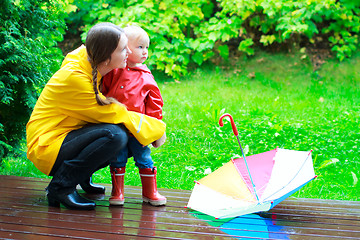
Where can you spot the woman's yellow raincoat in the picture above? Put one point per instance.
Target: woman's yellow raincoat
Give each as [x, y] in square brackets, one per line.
[67, 103]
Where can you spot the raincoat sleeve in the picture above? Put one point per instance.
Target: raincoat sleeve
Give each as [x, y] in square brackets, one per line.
[145, 129]
[154, 103]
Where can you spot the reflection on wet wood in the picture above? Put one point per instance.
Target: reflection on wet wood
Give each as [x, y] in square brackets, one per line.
[24, 214]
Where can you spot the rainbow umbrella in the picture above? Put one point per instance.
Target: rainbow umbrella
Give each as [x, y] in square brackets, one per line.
[253, 184]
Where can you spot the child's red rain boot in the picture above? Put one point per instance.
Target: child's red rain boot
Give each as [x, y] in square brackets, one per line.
[117, 192]
[149, 188]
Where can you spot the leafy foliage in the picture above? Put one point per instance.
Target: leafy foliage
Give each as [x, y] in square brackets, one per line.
[190, 32]
[29, 30]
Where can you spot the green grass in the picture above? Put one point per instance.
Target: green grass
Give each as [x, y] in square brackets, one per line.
[276, 101]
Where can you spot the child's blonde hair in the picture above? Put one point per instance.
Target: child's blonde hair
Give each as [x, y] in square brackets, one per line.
[135, 32]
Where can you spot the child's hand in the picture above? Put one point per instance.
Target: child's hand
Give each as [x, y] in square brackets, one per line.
[160, 141]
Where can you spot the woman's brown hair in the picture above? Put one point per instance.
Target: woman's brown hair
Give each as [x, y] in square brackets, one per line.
[101, 41]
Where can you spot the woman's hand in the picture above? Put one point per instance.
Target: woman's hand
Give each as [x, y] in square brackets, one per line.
[160, 141]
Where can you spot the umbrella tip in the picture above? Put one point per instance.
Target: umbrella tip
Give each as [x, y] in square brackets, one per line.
[316, 176]
[196, 182]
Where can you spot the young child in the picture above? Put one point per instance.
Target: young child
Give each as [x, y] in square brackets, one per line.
[135, 87]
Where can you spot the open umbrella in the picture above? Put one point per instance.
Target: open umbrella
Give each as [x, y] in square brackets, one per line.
[253, 184]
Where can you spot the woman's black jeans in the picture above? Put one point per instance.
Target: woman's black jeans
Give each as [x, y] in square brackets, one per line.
[83, 152]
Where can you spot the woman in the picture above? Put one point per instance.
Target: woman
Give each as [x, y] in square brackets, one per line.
[74, 130]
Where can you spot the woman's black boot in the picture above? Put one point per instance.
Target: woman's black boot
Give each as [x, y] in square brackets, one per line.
[72, 201]
[92, 188]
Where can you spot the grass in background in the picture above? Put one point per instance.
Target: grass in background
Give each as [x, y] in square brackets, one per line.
[276, 101]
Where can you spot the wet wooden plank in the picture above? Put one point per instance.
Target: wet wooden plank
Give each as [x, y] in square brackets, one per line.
[24, 214]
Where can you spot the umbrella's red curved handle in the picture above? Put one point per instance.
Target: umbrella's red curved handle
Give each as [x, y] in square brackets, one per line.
[232, 123]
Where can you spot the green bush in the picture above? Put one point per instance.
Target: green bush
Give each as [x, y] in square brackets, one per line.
[29, 30]
[190, 32]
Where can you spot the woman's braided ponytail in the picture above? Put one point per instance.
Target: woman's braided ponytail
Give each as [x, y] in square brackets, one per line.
[101, 101]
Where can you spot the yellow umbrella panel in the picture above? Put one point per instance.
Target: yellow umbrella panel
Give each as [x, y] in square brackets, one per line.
[223, 193]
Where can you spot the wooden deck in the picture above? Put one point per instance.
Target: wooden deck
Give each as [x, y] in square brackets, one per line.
[24, 214]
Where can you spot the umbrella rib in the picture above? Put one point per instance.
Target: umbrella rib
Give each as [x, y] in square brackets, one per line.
[247, 167]
[291, 179]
